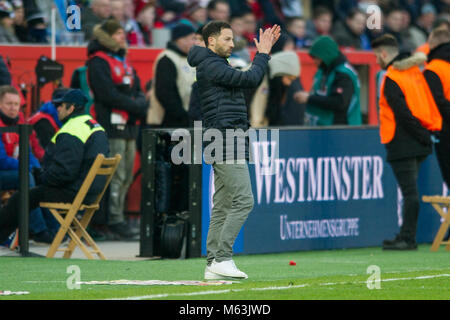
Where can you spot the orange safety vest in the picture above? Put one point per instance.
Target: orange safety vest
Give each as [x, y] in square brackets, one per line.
[442, 69]
[418, 99]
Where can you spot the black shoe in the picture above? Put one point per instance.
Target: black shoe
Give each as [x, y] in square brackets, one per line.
[123, 230]
[400, 245]
[43, 237]
[390, 242]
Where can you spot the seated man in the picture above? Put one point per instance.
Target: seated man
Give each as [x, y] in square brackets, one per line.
[45, 121]
[10, 115]
[67, 160]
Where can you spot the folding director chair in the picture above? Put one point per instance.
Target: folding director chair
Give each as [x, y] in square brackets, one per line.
[440, 203]
[76, 229]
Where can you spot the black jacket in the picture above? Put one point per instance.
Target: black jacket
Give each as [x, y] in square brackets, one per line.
[166, 91]
[108, 96]
[68, 160]
[441, 52]
[341, 92]
[222, 87]
[411, 139]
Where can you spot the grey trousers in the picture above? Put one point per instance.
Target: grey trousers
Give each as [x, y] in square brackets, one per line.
[232, 202]
[122, 179]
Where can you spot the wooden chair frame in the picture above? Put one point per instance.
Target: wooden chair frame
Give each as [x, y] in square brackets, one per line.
[439, 203]
[76, 229]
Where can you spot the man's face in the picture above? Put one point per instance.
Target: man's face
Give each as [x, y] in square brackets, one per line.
[185, 44]
[323, 23]
[117, 10]
[298, 28]
[223, 44]
[358, 23]
[221, 12]
[64, 110]
[119, 37]
[395, 21]
[102, 8]
[249, 23]
[199, 40]
[382, 57]
[317, 61]
[10, 105]
[237, 25]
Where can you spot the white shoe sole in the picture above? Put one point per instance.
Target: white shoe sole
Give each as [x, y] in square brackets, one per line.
[240, 275]
[213, 276]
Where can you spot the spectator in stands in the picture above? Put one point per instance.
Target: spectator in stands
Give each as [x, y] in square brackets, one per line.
[321, 24]
[218, 10]
[146, 19]
[5, 74]
[422, 27]
[351, 32]
[195, 107]
[68, 159]
[407, 113]
[118, 11]
[395, 25]
[335, 94]
[195, 15]
[240, 49]
[436, 73]
[119, 104]
[296, 27]
[10, 115]
[131, 26]
[173, 79]
[37, 28]
[45, 121]
[96, 13]
[7, 32]
[20, 26]
[250, 26]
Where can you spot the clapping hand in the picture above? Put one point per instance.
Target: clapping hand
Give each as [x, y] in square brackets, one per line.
[267, 39]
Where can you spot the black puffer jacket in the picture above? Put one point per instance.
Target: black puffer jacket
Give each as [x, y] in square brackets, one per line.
[222, 87]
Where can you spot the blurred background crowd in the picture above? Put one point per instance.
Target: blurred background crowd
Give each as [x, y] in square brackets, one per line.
[148, 22]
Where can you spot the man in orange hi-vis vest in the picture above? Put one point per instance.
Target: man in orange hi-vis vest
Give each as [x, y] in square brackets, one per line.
[407, 115]
[437, 74]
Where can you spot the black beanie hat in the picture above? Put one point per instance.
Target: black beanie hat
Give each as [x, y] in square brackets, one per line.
[181, 30]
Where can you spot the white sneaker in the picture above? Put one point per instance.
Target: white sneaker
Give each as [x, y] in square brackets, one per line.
[211, 275]
[227, 269]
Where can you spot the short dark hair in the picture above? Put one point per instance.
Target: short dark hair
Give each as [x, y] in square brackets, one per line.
[290, 20]
[213, 4]
[7, 89]
[214, 28]
[353, 12]
[386, 40]
[321, 10]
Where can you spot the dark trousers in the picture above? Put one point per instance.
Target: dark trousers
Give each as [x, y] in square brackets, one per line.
[9, 214]
[443, 156]
[406, 172]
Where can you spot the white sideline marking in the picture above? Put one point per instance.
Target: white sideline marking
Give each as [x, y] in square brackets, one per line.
[188, 294]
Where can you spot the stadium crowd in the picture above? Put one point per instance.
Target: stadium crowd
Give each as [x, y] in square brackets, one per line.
[115, 97]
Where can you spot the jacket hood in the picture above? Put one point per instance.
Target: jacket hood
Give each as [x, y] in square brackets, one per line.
[417, 59]
[326, 49]
[199, 54]
[441, 52]
[49, 108]
[284, 63]
[102, 41]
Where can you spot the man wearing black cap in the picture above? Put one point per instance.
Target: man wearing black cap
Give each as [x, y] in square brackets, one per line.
[172, 82]
[45, 121]
[119, 104]
[67, 160]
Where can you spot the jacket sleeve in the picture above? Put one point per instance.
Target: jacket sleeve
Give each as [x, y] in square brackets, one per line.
[6, 162]
[340, 97]
[166, 89]
[106, 92]
[66, 163]
[5, 75]
[223, 74]
[36, 147]
[435, 85]
[402, 113]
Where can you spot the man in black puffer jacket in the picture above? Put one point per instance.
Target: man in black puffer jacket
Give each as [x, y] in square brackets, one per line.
[223, 107]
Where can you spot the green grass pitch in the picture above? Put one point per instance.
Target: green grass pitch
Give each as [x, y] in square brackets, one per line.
[317, 275]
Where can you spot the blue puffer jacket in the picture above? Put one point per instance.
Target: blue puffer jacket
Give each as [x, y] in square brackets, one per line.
[221, 90]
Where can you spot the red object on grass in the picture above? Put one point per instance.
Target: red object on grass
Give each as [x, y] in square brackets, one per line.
[292, 263]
